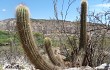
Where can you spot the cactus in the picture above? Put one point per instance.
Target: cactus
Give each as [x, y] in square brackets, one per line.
[29, 46]
[83, 35]
[83, 40]
[27, 40]
[50, 53]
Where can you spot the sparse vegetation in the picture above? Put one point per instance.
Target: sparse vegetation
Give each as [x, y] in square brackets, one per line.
[67, 44]
[4, 37]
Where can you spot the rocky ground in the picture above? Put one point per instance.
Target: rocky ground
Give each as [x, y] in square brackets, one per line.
[23, 64]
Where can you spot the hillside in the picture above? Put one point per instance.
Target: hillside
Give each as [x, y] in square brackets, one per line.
[50, 26]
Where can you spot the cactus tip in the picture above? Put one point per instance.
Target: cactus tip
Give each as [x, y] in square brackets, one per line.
[47, 40]
[22, 5]
[84, 0]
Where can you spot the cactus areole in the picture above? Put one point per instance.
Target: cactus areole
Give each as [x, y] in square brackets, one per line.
[27, 40]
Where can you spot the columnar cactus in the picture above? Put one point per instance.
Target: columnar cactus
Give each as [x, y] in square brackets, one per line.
[83, 40]
[53, 58]
[27, 40]
[29, 46]
[83, 35]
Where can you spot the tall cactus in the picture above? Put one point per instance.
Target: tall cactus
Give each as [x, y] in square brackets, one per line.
[83, 35]
[27, 40]
[29, 46]
[53, 58]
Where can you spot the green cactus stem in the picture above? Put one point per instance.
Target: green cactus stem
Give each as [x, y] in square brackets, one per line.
[27, 40]
[83, 35]
[51, 54]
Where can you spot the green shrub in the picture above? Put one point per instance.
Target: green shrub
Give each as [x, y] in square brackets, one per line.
[4, 37]
[39, 37]
[72, 42]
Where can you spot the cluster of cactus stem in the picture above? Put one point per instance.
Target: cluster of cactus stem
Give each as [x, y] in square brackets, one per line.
[27, 40]
[28, 43]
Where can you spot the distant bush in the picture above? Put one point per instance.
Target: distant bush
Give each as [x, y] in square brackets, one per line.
[4, 37]
[72, 42]
[39, 38]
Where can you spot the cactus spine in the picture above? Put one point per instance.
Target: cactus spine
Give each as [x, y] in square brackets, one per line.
[48, 46]
[27, 40]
